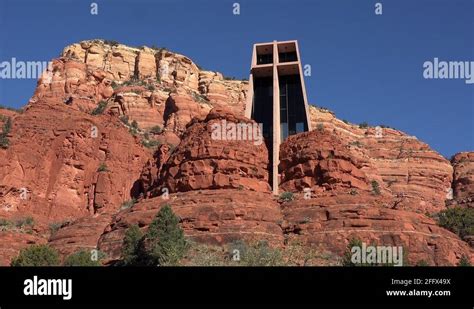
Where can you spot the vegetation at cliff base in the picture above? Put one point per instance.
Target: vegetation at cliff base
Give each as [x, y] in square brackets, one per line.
[99, 110]
[84, 258]
[458, 220]
[163, 244]
[287, 196]
[7, 125]
[464, 261]
[37, 255]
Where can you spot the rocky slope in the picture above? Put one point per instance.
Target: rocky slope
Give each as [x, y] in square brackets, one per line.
[110, 125]
[463, 182]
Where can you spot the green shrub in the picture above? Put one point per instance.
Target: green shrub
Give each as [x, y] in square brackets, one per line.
[422, 263]
[259, 254]
[355, 143]
[7, 125]
[5, 224]
[150, 87]
[155, 130]
[347, 257]
[4, 142]
[355, 242]
[114, 85]
[205, 255]
[464, 261]
[458, 220]
[83, 258]
[124, 119]
[363, 125]
[150, 143]
[131, 249]
[134, 81]
[199, 97]
[320, 127]
[133, 131]
[165, 238]
[55, 226]
[287, 196]
[111, 42]
[37, 255]
[27, 222]
[375, 187]
[99, 110]
[102, 168]
[128, 204]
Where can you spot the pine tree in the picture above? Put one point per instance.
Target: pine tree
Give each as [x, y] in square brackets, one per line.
[131, 249]
[165, 238]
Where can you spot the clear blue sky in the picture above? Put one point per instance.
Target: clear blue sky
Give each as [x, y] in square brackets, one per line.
[364, 67]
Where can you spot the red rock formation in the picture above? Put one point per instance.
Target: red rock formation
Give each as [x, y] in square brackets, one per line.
[54, 158]
[330, 221]
[463, 183]
[321, 161]
[84, 233]
[418, 176]
[202, 162]
[11, 242]
[149, 177]
[208, 216]
[180, 109]
[73, 83]
[164, 72]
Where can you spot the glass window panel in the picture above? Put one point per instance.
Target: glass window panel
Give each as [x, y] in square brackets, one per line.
[299, 127]
[283, 131]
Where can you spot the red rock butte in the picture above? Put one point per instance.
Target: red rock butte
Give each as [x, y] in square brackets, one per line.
[113, 123]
